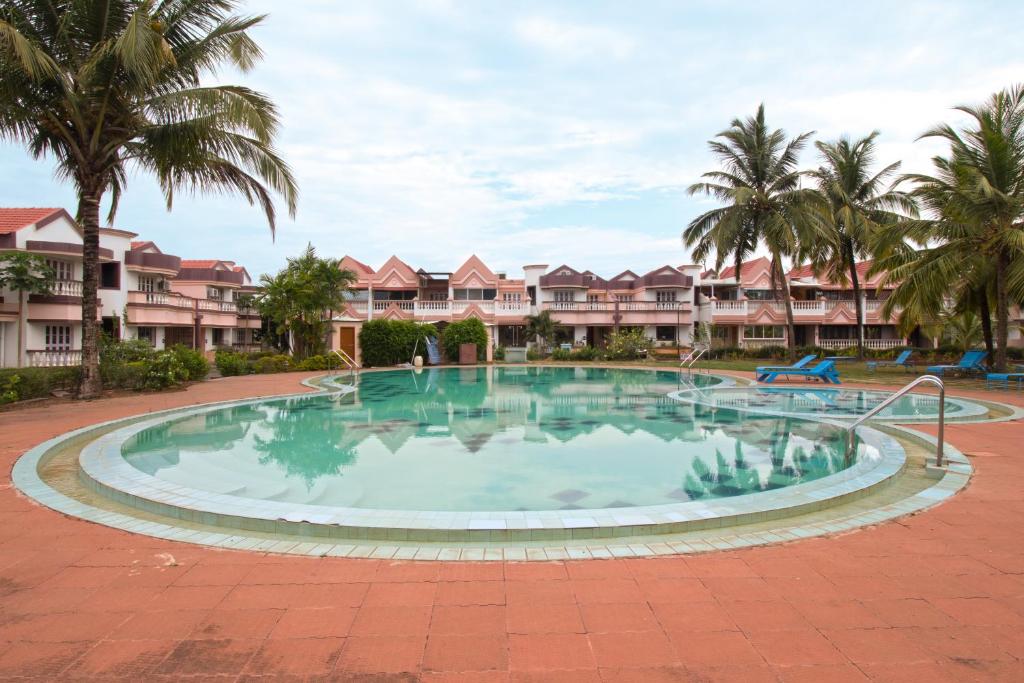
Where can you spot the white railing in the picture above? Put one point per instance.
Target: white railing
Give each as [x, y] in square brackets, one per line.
[759, 342]
[624, 306]
[423, 308]
[66, 288]
[403, 305]
[459, 307]
[358, 306]
[54, 358]
[512, 307]
[877, 344]
[730, 307]
[216, 305]
[160, 299]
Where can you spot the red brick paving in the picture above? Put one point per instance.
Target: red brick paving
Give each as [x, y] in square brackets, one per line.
[935, 597]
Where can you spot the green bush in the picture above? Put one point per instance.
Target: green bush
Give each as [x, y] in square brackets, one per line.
[627, 344]
[468, 331]
[22, 384]
[164, 370]
[195, 363]
[533, 354]
[390, 342]
[9, 389]
[271, 364]
[774, 352]
[324, 362]
[114, 352]
[499, 353]
[231, 364]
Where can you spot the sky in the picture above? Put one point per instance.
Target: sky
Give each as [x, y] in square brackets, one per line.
[553, 132]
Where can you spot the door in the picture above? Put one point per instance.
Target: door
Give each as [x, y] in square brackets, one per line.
[347, 340]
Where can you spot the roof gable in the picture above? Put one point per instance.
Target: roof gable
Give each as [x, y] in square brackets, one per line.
[474, 272]
[14, 219]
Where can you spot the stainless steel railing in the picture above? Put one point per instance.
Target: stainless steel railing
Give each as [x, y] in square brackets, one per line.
[923, 379]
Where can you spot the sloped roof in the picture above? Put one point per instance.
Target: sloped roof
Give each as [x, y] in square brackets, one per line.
[14, 219]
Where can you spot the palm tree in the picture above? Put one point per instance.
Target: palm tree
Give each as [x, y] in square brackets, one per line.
[108, 87]
[25, 273]
[760, 184]
[858, 206]
[975, 236]
[541, 325]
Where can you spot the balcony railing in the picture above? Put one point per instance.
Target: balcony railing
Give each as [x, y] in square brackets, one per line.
[146, 259]
[160, 299]
[623, 306]
[403, 305]
[66, 288]
[728, 307]
[216, 305]
[54, 358]
[877, 344]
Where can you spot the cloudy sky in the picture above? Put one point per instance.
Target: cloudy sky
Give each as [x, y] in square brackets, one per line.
[550, 132]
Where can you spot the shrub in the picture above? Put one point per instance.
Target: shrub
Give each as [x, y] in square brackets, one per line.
[499, 353]
[561, 354]
[271, 364]
[22, 384]
[627, 344]
[773, 352]
[231, 364]
[9, 389]
[468, 331]
[114, 352]
[533, 354]
[390, 342]
[164, 370]
[195, 364]
[585, 353]
[324, 362]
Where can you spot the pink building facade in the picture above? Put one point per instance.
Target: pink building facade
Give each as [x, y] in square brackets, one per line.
[143, 294]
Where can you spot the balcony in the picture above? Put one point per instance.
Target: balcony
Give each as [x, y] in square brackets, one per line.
[67, 288]
[876, 344]
[160, 309]
[629, 312]
[217, 313]
[150, 262]
[211, 275]
[54, 358]
[729, 308]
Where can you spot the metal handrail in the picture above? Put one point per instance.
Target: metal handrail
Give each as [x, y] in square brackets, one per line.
[691, 359]
[930, 379]
[347, 360]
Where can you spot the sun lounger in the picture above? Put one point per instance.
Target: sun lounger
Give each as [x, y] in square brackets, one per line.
[824, 371]
[971, 362]
[799, 365]
[1004, 379]
[901, 361]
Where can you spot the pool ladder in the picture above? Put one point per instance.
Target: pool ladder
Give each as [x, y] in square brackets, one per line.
[691, 358]
[348, 362]
[923, 379]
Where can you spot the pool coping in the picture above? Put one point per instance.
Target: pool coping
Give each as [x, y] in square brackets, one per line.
[26, 479]
[975, 407]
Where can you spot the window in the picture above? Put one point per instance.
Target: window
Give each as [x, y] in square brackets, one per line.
[396, 295]
[564, 295]
[512, 297]
[62, 269]
[58, 337]
[625, 298]
[665, 333]
[218, 336]
[357, 295]
[593, 298]
[721, 332]
[437, 295]
[837, 332]
[764, 332]
[110, 275]
[759, 295]
[146, 334]
[148, 284]
[213, 293]
[475, 294]
[665, 295]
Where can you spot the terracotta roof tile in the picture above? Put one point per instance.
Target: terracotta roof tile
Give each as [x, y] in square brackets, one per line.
[13, 220]
[199, 263]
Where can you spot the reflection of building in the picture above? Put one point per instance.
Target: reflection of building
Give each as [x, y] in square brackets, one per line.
[143, 293]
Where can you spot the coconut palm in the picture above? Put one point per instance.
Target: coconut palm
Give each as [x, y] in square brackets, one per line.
[541, 325]
[859, 204]
[765, 204]
[975, 198]
[109, 87]
[25, 273]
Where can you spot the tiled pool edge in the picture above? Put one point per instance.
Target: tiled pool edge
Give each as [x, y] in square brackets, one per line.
[25, 478]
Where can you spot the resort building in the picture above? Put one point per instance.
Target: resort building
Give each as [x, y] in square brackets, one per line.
[747, 312]
[143, 294]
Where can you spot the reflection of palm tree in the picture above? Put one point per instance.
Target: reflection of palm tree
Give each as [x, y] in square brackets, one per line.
[303, 443]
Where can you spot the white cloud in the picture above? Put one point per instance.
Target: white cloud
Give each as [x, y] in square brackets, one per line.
[574, 41]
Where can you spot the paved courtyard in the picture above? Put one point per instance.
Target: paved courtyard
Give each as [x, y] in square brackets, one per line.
[934, 597]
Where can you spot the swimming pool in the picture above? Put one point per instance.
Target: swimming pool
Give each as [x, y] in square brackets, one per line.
[488, 439]
[831, 403]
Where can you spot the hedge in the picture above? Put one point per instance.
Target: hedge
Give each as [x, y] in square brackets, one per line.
[468, 331]
[390, 342]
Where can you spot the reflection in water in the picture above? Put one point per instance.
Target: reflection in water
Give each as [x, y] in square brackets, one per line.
[524, 438]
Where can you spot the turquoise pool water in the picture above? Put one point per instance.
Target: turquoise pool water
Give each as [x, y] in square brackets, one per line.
[491, 439]
[835, 403]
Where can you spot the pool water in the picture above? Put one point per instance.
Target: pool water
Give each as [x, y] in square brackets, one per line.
[838, 403]
[491, 439]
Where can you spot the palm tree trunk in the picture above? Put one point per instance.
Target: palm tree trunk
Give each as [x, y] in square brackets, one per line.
[858, 303]
[986, 323]
[1002, 312]
[21, 327]
[89, 217]
[790, 327]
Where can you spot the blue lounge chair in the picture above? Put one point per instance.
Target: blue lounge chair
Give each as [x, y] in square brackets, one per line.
[824, 371]
[799, 365]
[971, 362]
[901, 361]
[1003, 379]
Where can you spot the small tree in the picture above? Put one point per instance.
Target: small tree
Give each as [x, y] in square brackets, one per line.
[25, 274]
[301, 299]
[542, 326]
[468, 331]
